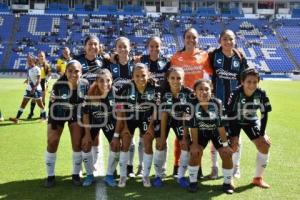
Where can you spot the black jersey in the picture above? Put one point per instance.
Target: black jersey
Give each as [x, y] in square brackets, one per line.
[243, 109]
[226, 72]
[139, 106]
[158, 68]
[209, 120]
[100, 111]
[66, 101]
[122, 74]
[91, 67]
[177, 106]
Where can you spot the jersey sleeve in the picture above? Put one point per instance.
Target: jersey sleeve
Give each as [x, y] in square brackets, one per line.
[266, 105]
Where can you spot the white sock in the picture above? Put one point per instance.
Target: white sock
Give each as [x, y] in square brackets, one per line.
[193, 172]
[261, 163]
[95, 154]
[50, 159]
[159, 160]
[141, 150]
[131, 152]
[113, 159]
[147, 160]
[183, 162]
[77, 160]
[236, 157]
[87, 159]
[124, 156]
[227, 173]
[164, 166]
[213, 155]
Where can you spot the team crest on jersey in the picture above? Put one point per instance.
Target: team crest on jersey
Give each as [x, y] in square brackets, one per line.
[98, 63]
[236, 64]
[64, 96]
[161, 64]
[212, 115]
[256, 101]
[198, 115]
[111, 103]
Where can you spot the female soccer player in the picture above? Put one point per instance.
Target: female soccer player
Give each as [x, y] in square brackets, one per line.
[206, 124]
[45, 77]
[67, 93]
[33, 89]
[228, 64]
[99, 114]
[242, 109]
[121, 67]
[174, 104]
[139, 100]
[158, 65]
[196, 65]
[91, 63]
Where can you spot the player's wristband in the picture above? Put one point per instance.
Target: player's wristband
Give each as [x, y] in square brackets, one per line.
[116, 135]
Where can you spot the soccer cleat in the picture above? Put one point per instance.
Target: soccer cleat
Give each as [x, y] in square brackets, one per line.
[30, 115]
[193, 187]
[50, 182]
[122, 181]
[258, 181]
[183, 182]
[200, 174]
[236, 172]
[228, 188]
[157, 182]
[140, 171]
[214, 173]
[76, 180]
[88, 181]
[14, 120]
[130, 171]
[110, 181]
[146, 181]
[175, 171]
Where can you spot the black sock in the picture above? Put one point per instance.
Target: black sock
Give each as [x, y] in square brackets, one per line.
[19, 114]
[32, 106]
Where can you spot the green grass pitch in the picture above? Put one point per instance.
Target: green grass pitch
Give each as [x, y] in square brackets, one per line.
[22, 147]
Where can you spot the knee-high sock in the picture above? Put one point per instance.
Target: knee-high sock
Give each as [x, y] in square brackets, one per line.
[113, 160]
[87, 159]
[193, 173]
[50, 159]
[236, 157]
[213, 155]
[131, 152]
[32, 106]
[124, 156]
[147, 164]
[141, 150]
[77, 160]
[95, 154]
[159, 160]
[227, 173]
[183, 162]
[261, 163]
[20, 112]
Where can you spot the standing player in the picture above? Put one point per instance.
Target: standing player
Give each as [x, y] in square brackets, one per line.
[33, 89]
[206, 124]
[121, 67]
[139, 99]
[175, 101]
[158, 66]
[45, 77]
[67, 93]
[91, 63]
[242, 109]
[228, 64]
[63, 60]
[196, 65]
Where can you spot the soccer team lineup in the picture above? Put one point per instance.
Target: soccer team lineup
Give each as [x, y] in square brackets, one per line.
[205, 98]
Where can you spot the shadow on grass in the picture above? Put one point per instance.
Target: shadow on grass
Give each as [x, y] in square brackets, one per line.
[22, 122]
[34, 189]
[170, 191]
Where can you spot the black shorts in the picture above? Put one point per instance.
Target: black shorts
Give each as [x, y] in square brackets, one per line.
[177, 128]
[60, 123]
[108, 131]
[205, 136]
[43, 84]
[251, 130]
